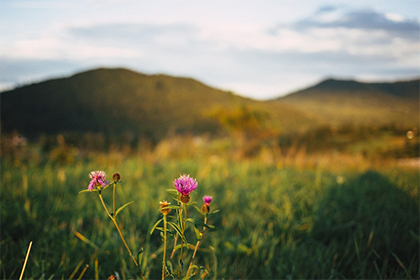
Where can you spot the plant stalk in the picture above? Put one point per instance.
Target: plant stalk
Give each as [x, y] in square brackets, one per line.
[175, 241]
[184, 224]
[196, 246]
[121, 235]
[164, 247]
[113, 200]
[26, 260]
[182, 244]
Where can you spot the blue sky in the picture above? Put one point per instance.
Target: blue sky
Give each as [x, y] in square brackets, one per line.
[260, 49]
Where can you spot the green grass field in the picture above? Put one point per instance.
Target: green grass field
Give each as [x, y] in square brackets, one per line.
[274, 222]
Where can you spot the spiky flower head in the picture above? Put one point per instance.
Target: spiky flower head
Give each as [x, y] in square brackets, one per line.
[185, 184]
[164, 204]
[207, 199]
[98, 179]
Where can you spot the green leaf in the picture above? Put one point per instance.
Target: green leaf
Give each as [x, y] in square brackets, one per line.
[82, 191]
[197, 222]
[169, 267]
[197, 233]
[172, 207]
[187, 245]
[188, 276]
[178, 230]
[171, 232]
[121, 208]
[194, 266]
[154, 226]
[191, 203]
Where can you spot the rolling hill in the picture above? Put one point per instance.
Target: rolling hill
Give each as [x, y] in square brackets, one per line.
[118, 101]
[335, 102]
[115, 101]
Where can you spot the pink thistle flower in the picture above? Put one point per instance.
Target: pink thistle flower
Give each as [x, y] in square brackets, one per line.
[207, 199]
[185, 184]
[98, 179]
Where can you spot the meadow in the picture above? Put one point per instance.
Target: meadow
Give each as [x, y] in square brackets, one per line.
[309, 219]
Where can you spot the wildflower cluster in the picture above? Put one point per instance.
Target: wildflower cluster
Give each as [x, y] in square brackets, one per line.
[175, 225]
[97, 184]
[184, 186]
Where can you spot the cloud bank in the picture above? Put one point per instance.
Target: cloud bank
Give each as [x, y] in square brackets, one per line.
[252, 55]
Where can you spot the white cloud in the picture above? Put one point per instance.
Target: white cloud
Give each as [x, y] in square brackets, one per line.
[53, 48]
[394, 17]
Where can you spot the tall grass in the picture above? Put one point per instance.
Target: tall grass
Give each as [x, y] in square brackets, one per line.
[274, 222]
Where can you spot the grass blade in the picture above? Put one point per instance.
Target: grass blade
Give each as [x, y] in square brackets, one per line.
[178, 230]
[83, 272]
[122, 207]
[401, 264]
[26, 260]
[154, 226]
[76, 269]
[86, 240]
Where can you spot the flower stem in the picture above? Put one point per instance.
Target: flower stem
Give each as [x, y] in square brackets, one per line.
[196, 246]
[182, 243]
[121, 235]
[103, 204]
[183, 225]
[176, 236]
[113, 200]
[175, 241]
[164, 247]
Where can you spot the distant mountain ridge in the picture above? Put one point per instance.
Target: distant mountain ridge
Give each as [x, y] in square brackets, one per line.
[346, 101]
[406, 89]
[116, 101]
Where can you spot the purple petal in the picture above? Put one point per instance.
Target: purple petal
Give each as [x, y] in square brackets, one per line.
[91, 185]
[207, 199]
[99, 180]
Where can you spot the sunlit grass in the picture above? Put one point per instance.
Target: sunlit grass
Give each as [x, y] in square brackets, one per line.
[288, 220]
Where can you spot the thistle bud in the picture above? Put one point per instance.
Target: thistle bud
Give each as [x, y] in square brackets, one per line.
[205, 208]
[164, 204]
[185, 198]
[116, 177]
